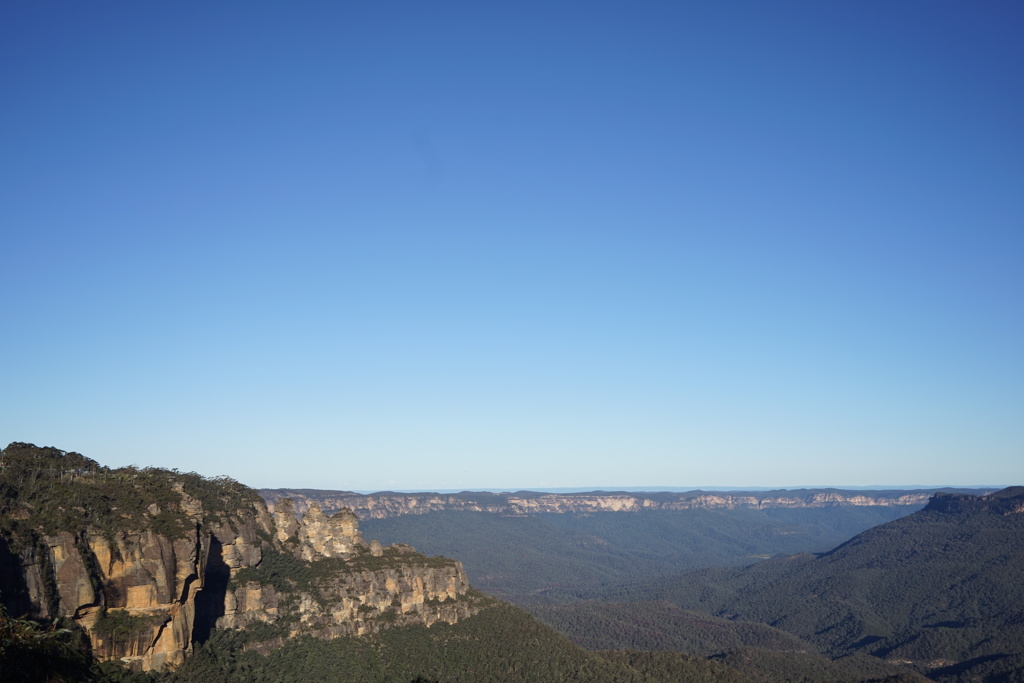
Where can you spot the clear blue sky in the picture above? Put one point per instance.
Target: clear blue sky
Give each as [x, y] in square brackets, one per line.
[444, 245]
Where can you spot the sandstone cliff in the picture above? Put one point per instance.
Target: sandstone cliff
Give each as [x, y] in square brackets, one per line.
[387, 504]
[149, 562]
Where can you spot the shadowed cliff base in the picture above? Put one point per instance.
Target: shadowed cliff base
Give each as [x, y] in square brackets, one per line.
[210, 598]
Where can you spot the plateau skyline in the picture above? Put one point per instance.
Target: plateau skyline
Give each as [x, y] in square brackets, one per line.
[449, 246]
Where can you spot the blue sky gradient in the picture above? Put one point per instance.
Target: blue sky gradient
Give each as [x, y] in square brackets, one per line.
[450, 245]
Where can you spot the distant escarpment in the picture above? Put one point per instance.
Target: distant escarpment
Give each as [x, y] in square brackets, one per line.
[149, 562]
[389, 504]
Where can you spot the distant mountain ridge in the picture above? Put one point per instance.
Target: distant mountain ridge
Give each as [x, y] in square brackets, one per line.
[386, 504]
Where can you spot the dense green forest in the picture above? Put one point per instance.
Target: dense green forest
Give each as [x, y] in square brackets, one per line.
[770, 666]
[499, 644]
[662, 626]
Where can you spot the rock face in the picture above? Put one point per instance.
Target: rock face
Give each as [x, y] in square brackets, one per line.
[334, 536]
[384, 505]
[356, 587]
[152, 561]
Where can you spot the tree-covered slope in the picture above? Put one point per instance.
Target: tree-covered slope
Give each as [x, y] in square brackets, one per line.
[662, 626]
[772, 666]
[942, 589]
[498, 645]
[760, 651]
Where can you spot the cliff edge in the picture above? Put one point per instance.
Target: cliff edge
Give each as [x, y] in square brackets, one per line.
[147, 562]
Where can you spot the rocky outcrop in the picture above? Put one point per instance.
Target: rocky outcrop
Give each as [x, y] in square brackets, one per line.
[133, 593]
[1008, 501]
[348, 586]
[384, 505]
[175, 557]
[334, 536]
[153, 581]
[285, 521]
[366, 600]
